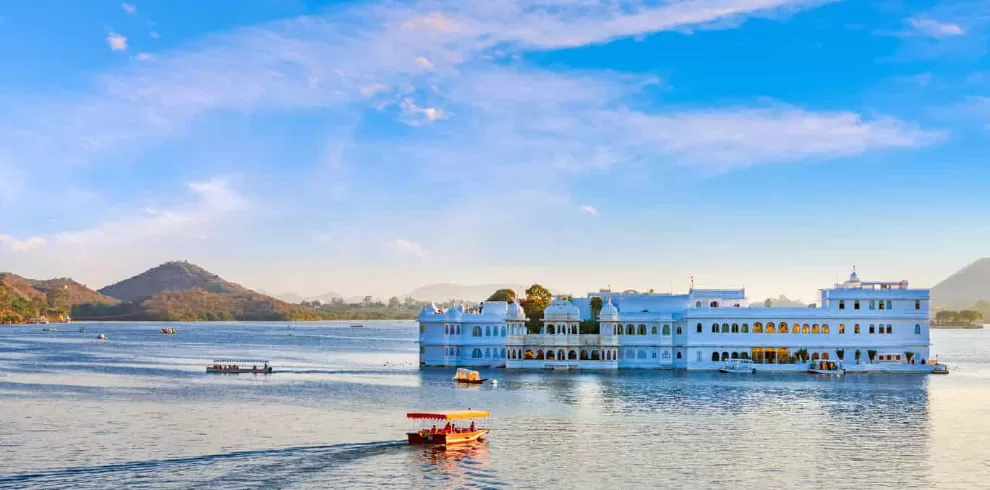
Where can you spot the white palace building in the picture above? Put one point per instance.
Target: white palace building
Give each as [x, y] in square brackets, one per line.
[869, 326]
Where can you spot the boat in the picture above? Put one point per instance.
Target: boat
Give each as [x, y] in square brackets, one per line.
[451, 433]
[357, 325]
[101, 337]
[168, 331]
[827, 368]
[738, 366]
[82, 329]
[236, 366]
[468, 376]
[49, 329]
[941, 369]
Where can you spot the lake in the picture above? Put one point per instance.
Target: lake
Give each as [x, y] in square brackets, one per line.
[137, 410]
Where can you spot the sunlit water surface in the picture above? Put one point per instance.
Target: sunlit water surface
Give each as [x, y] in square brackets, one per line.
[137, 410]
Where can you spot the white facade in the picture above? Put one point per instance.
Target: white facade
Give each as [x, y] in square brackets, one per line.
[696, 331]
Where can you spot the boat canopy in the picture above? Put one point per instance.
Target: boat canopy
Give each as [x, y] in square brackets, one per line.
[449, 415]
[238, 361]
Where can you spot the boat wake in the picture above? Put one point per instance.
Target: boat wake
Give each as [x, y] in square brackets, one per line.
[261, 468]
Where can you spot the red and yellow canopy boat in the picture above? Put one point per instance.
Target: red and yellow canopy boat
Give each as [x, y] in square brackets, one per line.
[454, 429]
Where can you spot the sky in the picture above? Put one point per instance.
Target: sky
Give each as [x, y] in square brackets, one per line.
[371, 148]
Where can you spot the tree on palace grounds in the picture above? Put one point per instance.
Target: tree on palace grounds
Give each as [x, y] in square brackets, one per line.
[596, 307]
[537, 299]
[507, 295]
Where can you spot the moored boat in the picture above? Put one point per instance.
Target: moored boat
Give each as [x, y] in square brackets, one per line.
[168, 331]
[738, 366]
[451, 433]
[101, 337]
[357, 325]
[237, 366]
[49, 329]
[468, 376]
[827, 368]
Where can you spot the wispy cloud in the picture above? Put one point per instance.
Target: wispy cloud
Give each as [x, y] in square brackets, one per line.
[116, 41]
[155, 35]
[144, 57]
[934, 28]
[405, 248]
[22, 245]
[586, 209]
[130, 8]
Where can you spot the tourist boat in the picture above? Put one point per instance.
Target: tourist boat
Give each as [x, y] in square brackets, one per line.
[168, 331]
[49, 329]
[357, 325]
[451, 433]
[101, 337]
[941, 369]
[235, 366]
[468, 376]
[738, 366]
[827, 368]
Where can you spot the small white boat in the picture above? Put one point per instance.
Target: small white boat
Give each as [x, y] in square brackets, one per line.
[468, 376]
[827, 367]
[101, 337]
[737, 366]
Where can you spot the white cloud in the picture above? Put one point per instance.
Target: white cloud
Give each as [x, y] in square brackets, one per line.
[405, 248]
[934, 28]
[414, 115]
[24, 245]
[423, 62]
[116, 41]
[155, 35]
[129, 8]
[144, 57]
[587, 209]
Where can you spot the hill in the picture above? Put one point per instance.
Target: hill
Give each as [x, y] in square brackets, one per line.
[22, 299]
[781, 301]
[180, 291]
[446, 292]
[296, 299]
[965, 288]
[170, 276]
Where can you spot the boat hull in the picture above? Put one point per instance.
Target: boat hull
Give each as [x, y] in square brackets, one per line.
[827, 372]
[471, 381]
[737, 371]
[425, 437]
[238, 371]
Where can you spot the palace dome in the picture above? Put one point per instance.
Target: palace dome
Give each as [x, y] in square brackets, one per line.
[562, 310]
[609, 313]
[515, 313]
[454, 313]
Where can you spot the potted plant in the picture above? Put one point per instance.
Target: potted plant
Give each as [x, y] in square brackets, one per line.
[871, 353]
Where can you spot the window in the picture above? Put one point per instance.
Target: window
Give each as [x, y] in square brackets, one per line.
[642, 329]
[713, 304]
[757, 327]
[476, 332]
[725, 328]
[666, 329]
[782, 327]
[806, 328]
[697, 304]
[488, 331]
[917, 304]
[745, 328]
[881, 305]
[725, 356]
[699, 328]
[890, 329]
[641, 354]
[476, 353]
[679, 329]
[856, 304]
[654, 355]
[714, 328]
[714, 356]
[488, 353]
[873, 304]
[842, 304]
[825, 328]
[814, 328]
[502, 353]
[653, 330]
[842, 328]
[457, 330]
[503, 331]
[856, 329]
[796, 328]
[735, 328]
[446, 329]
[872, 330]
[770, 328]
[917, 329]
[890, 305]
[679, 355]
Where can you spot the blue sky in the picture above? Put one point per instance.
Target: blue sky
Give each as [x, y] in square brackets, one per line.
[371, 148]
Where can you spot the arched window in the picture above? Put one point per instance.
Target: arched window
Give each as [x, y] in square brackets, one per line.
[476, 331]
[630, 354]
[917, 329]
[679, 329]
[872, 330]
[457, 329]
[446, 329]
[873, 304]
[782, 327]
[856, 304]
[824, 328]
[653, 330]
[476, 353]
[488, 353]
[666, 329]
[665, 356]
[550, 329]
[713, 304]
[725, 356]
[814, 357]
[814, 328]
[488, 331]
[572, 355]
[725, 328]
[734, 355]
[714, 328]
[842, 328]
[529, 355]
[757, 327]
[745, 328]
[630, 330]
[585, 356]
[806, 328]
[503, 331]
[641, 354]
[890, 329]
[595, 356]
[699, 328]
[502, 354]
[642, 329]
[795, 328]
[770, 328]
[539, 355]
[856, 329]
[697, 304]
[679, 355]
[550, 355]
[715, 356]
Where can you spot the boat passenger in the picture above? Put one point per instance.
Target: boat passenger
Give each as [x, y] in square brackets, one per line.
[433, 430]
[472, 428]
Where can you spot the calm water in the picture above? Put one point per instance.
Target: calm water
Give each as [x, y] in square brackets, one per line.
[138, 411]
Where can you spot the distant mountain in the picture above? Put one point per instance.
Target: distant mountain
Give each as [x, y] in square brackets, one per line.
[444, 292]
[170, 276]
[184, 291]
[778, 302]
[296, 299]
[964, 288]
[74, 292]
